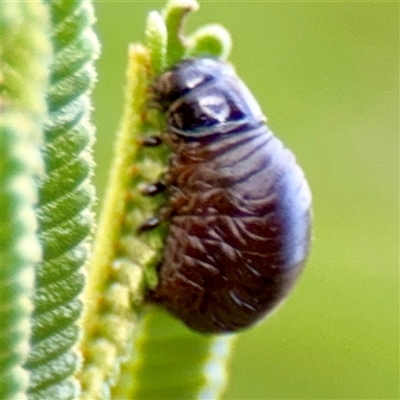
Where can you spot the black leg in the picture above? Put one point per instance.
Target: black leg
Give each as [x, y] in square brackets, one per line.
[151, 141]
[153, 189]
[149, 224]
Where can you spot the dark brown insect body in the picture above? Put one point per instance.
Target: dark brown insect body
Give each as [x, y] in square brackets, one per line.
[239, 229]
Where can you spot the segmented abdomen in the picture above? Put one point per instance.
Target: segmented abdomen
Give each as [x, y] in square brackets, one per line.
[239, 229]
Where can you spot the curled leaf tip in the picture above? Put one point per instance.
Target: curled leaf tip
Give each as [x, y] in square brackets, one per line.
[167, 43]
[210, 40]
[174, 15]
[181, 6]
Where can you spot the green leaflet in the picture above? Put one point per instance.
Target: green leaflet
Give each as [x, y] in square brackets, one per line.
[173, 362]
[25, 54]
[169, 360]
[65, 200]
[116, 282]
[20, 249]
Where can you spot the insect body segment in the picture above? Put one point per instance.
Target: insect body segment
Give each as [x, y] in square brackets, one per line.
[239, 212]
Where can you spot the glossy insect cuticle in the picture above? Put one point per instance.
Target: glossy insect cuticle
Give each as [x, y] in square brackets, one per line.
[239, 206]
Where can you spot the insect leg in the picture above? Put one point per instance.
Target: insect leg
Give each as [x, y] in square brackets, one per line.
[151, 141]
[153, 189]
[151, 223]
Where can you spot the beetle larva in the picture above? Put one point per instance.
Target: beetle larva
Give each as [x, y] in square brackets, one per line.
[239, 209]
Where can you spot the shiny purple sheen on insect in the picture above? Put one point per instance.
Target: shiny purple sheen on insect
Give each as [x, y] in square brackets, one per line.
[239, 205]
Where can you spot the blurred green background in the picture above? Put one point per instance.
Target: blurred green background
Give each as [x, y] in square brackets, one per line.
[326, 75]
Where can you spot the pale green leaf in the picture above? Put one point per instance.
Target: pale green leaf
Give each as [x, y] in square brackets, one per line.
[25, 54]
[66, 196]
